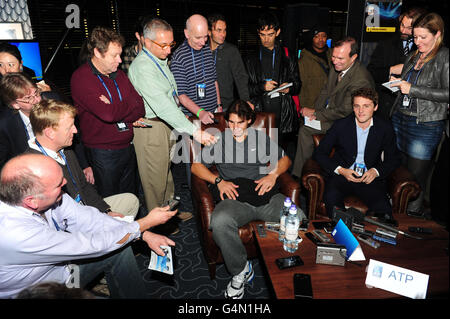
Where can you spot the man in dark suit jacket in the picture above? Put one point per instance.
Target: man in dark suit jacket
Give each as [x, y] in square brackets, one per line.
[334, 101]
[19, 94]
[388, 58]
[365, 154]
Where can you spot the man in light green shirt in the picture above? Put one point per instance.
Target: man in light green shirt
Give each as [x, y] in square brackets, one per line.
[152, 79]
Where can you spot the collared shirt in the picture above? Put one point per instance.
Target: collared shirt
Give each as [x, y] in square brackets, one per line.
[32, 250]
[157, 91]
[345, 71]
[361, 138]
[26, 122]
[187, 76]
[32, 144]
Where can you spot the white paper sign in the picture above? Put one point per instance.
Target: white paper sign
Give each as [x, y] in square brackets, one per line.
[398, 280]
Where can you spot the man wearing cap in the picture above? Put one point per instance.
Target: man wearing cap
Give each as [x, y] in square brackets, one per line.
[314, 65]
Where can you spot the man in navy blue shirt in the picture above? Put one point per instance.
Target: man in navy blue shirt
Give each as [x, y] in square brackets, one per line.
[195, 74]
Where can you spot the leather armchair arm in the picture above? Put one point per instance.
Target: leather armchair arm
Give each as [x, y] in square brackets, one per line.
[402, 187]
[289, 187]
[313, 181]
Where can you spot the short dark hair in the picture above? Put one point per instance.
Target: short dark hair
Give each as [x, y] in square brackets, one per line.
[367, 93]
[11, 49]
[354, 47]
[268, 20]
[412, 13]
[242, 109]
[213, 18]
[100, 38]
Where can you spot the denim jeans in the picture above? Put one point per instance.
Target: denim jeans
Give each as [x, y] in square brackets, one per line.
[417, 140]
[122, 274]
[114, 170]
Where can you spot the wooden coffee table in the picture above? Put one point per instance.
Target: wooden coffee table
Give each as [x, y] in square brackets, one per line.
[427, 256]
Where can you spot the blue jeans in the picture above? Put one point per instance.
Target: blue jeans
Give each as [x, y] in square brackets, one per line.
[114, 170]
[122, 274]
[417, 140]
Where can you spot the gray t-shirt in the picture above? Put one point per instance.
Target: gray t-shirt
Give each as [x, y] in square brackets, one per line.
[247, 159]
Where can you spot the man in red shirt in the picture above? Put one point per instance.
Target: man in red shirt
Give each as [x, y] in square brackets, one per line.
[108, 105]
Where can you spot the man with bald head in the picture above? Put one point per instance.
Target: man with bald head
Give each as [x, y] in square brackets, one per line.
[193, 67]
[46, 236]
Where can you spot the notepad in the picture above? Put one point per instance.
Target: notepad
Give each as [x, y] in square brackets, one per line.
[388, 85]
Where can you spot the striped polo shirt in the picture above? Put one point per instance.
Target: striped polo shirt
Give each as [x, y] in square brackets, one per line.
[191, 67]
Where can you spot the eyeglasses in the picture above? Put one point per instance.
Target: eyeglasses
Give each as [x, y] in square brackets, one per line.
[165, 46]
[29, 98]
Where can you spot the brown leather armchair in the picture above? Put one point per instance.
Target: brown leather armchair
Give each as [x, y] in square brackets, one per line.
[204, 203]
[401, 188]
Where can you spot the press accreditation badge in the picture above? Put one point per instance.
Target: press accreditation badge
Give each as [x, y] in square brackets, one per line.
[121, 126]
[406, 101]
[360, 168]
[201, 90]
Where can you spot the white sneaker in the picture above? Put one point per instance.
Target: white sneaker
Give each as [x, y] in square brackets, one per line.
[235, 288]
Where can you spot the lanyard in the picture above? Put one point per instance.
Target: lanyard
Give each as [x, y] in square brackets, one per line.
[162, 71]
[65, 161]
[273, 58]
[203, 64]
[56, 224]
[215, 55]
[106, 88]
[417, 76]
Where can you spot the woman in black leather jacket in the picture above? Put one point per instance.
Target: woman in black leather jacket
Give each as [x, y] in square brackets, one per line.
[420, 110]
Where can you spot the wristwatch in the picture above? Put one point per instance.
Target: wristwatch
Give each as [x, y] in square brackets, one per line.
[218, 180]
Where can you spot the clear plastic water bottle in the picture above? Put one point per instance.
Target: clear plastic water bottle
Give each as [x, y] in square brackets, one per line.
[283, 213]
[290, 242]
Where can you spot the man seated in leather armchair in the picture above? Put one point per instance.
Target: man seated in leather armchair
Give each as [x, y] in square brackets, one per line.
[246, 188]
[357, 166]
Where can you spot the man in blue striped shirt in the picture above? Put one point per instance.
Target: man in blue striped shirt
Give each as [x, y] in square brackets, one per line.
[193, 67]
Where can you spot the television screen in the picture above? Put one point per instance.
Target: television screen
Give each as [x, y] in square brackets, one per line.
[31, 57]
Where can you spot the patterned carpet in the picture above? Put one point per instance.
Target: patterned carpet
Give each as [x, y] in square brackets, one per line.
[191, 276]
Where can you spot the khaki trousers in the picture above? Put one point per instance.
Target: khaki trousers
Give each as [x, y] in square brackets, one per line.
[152, 146]
[125, 203]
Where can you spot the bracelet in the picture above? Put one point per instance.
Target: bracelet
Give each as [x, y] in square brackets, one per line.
[198, 112]
[220, 105]
[108, 210]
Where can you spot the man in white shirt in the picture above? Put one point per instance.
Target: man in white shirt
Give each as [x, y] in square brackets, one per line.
[43, 230]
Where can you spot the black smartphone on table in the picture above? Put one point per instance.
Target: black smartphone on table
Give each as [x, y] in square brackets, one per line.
[289, 262]
[302, 286]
